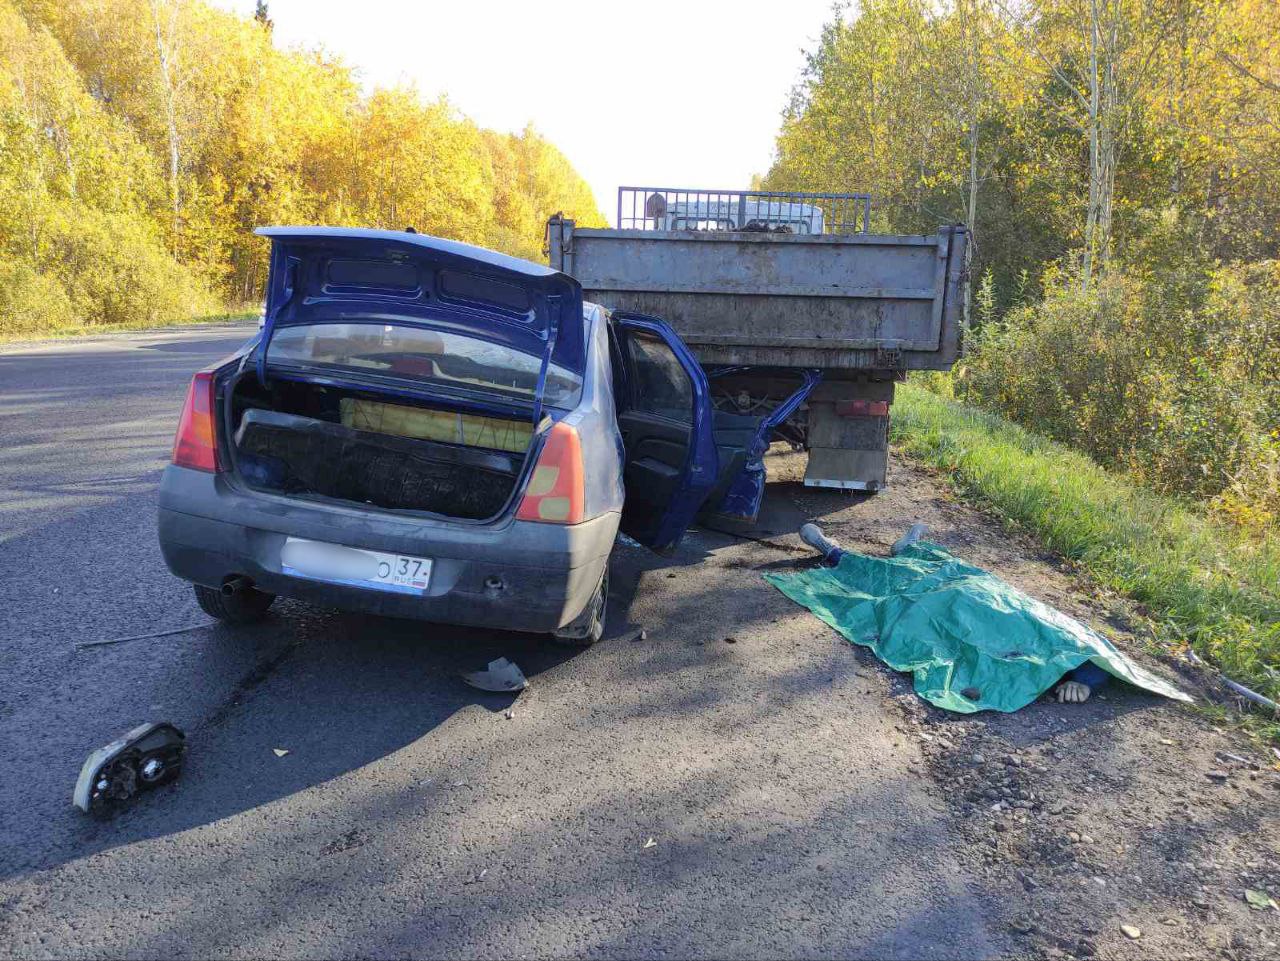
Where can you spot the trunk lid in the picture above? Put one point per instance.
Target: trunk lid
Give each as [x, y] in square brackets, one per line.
[349, 276]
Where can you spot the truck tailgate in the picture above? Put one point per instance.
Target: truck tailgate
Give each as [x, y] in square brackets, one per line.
[858, 301]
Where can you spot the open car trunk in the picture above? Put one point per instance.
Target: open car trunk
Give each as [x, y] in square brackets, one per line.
[316, 441]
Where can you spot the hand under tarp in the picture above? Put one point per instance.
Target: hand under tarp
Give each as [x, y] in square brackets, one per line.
[973, 642]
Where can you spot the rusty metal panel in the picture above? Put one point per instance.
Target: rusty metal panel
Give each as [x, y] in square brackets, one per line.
[850, 419]
[853, 433]
[859, 470]
[870, 301]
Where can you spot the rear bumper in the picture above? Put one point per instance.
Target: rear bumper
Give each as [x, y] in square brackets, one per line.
[210, 529]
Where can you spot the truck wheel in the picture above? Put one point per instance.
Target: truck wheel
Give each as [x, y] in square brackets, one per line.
[588, 627]
[245, 606]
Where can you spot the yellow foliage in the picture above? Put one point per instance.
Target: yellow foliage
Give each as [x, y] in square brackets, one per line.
[78, 196]
[1163, 358]
[32, 303]
[141, 141]
[533, 180]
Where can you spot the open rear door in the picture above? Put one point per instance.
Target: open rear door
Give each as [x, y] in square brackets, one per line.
[664, 413]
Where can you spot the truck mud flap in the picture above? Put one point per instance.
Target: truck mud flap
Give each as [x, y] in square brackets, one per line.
[848, 443]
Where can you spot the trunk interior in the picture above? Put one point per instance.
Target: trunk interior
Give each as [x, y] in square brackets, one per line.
[311, 440]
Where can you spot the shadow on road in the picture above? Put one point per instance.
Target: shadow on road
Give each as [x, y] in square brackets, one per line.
[336, 690]
[770, 838]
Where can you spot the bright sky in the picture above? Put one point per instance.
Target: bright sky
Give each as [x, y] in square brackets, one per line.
[659, 93]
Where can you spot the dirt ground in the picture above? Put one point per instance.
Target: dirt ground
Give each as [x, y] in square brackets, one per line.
[1125, 827]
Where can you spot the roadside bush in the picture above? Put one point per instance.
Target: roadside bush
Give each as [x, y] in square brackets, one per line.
[95, 269]
[1167, 373]
[115, 271]
[31, 303]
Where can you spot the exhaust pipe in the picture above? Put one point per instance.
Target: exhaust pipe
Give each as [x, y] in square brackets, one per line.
[234, 585]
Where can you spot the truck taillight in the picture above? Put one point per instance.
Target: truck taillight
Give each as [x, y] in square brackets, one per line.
[555, 493]
[196, 443]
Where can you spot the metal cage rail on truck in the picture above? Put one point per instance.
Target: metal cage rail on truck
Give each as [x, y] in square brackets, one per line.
[764, 285]
[677, 208]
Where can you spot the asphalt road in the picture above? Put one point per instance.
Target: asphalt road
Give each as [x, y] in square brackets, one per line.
[411, 816]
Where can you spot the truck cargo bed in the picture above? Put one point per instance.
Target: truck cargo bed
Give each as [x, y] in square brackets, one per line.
[830, 301]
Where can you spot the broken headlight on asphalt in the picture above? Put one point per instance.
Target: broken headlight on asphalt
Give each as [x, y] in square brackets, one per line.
[148, 756]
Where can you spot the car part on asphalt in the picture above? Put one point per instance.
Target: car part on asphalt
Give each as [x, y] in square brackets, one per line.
[146, 757]
[501, 676]
[972, 641]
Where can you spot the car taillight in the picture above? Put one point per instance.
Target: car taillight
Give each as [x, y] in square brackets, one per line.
[555, 493]
[196, 443]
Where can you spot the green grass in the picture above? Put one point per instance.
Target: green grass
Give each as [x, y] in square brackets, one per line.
[1201, 583]
[91, 330]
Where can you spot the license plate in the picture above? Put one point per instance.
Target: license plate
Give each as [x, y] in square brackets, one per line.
[353, 566]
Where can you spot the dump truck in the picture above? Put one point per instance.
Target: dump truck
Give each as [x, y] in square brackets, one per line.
[783, 296]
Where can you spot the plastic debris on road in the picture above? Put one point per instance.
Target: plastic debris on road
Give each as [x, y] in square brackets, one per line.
[972, 641]
[1259, 900]
[146, 757]
[501, 676]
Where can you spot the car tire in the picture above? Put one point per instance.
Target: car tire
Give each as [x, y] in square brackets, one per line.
[588, 627]
[245, 606]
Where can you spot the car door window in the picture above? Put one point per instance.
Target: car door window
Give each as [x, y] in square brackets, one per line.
[661, 386]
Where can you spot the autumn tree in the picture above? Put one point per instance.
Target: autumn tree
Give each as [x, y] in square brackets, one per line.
[1117, 162]
[79, 197]
[191, 119]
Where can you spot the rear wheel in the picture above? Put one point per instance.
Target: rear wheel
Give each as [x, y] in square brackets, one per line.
[245, 606]
[588, 627]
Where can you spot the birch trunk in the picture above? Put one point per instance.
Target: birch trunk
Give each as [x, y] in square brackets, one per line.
[971, 210]
[1103, 113]
[1094, 111]
[167, 50]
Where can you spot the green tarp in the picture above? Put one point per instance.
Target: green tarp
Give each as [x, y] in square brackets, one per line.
[973, 642]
